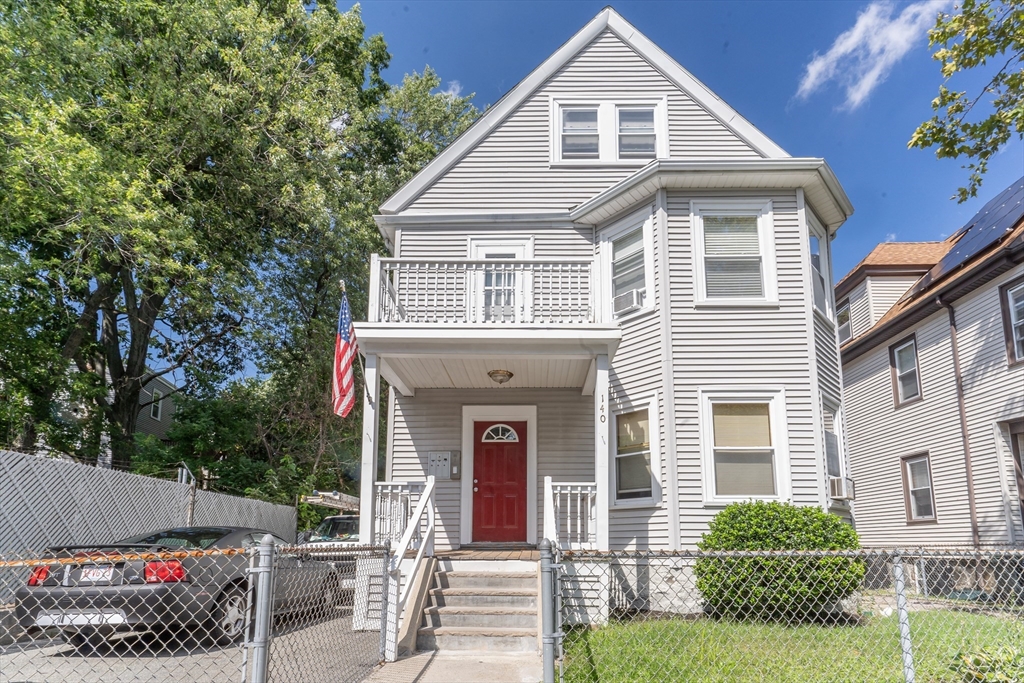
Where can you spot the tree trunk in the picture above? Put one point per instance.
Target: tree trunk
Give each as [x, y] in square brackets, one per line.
[122, 419]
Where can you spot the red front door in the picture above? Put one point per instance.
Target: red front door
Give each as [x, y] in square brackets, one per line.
[499, 481]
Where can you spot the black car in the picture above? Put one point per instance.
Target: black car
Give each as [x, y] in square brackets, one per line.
[89, 593]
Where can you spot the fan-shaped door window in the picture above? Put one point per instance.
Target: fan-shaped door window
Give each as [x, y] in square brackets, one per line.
[500, 432]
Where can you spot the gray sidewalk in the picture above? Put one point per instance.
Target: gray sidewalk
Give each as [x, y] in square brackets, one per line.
[461, 667]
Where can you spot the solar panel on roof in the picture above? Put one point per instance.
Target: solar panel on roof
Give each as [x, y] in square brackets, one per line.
[987, 226]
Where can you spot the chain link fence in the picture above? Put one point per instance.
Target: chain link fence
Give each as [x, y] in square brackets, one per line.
[177, 609]
[869, 615]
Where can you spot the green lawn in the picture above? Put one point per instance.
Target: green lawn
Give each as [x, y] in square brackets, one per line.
[707, 650]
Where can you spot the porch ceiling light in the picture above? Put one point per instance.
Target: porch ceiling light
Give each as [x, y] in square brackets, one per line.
[500, 376]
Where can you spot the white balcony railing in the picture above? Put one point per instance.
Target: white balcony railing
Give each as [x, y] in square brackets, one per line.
[486, 291]
[570, 514]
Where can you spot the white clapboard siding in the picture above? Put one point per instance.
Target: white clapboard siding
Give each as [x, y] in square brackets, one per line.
[510, 169]
[827, 358]
[860, 309]
[432, 421]
[549, 240]
[885, 290]
[741, 347]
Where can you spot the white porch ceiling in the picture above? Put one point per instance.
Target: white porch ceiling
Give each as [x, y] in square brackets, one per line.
[471, 373]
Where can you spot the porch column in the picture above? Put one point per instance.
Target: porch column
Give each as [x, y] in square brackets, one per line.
[371, 433]
[601, 431]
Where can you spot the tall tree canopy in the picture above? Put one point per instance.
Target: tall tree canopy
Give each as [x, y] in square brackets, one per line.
[977, 35]
[175, 174]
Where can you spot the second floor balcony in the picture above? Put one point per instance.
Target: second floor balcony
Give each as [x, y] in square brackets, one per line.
[482, 291]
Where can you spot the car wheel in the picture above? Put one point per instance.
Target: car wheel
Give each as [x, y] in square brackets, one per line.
[328, 596]
[86, 641]
[229, 616]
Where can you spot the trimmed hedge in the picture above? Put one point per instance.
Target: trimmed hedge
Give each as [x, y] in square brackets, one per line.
[777, 588]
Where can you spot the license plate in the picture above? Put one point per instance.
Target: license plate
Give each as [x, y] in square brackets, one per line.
[97, 574]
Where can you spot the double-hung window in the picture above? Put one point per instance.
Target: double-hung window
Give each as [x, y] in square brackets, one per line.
[906, 378]
[1012, 301]
[917, 488]
[628, 248]
[843, 325]
[637, 137]
[155, 408]
[580, 135]
[735, 252]
[633, 478]
[744, 450]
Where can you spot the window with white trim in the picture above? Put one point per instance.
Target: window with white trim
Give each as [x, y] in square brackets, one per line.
[744, 447]
[735, 252]
[155, 408]
[499, 433]
[843, 325]
[917, 483]
[906, 378]
[1015, 315]
[632, 455]
[628, 249]
[580, 136]
[627, 130]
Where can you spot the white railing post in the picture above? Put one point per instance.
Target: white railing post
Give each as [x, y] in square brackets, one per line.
[373, 305]
[550, 524]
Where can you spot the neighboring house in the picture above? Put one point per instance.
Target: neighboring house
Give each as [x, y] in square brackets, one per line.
[157, 411]
[933, 382]
[615, 281]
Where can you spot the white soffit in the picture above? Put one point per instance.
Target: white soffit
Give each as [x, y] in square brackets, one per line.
[471, 373]
[821, 187]
[607, 19]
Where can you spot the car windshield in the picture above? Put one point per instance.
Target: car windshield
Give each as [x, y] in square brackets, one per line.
[335, 529]
[190, 539]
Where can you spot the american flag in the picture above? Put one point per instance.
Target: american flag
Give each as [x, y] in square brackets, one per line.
[344, 385]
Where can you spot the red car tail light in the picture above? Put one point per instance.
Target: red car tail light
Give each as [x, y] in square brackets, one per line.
[39, 575]
[165, 571]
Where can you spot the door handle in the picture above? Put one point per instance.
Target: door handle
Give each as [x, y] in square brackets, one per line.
[475, 489]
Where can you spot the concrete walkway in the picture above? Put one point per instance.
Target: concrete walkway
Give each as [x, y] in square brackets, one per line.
[461, 667]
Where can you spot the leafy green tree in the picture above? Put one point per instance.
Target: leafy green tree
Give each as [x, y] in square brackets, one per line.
[160, 161]
[977, 125]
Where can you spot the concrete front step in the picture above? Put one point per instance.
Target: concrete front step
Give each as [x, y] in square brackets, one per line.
[478, 639]
[471, 579]
[482, 617]
[480, 597]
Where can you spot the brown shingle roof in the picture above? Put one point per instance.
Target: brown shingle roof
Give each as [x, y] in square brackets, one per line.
[912, 255]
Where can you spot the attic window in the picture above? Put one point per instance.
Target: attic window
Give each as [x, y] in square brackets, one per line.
[636, 133]
[580, 137]
[626, 130]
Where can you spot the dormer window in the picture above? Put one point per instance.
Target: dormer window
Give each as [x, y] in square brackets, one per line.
[580, 138]
[628, 131]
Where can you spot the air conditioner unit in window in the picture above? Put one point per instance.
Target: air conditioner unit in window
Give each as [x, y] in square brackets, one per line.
[841, 488]
[630, 301]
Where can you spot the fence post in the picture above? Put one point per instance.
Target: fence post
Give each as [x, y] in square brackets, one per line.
[191, 514]
[385, 602]
[906, 645]
[259, 646]
[547, 592]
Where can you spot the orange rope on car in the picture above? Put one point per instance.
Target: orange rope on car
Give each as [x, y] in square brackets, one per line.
[105, 557]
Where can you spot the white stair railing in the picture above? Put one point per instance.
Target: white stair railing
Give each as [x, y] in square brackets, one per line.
[570, 514]
[419, 535]
[394, 503]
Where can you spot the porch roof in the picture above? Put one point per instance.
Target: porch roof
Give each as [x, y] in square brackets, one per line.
[442, 356]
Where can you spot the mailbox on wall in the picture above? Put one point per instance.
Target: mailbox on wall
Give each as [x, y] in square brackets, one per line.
[444, 464]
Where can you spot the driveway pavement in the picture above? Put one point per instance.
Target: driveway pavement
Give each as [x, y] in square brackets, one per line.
[461, 667]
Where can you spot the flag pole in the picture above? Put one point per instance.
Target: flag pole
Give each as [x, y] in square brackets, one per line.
[362, 366]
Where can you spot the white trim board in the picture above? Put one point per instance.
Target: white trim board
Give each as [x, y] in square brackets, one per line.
[607, 19]
[510, 413]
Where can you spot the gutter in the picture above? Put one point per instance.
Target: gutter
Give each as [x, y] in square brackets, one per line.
[962, 410]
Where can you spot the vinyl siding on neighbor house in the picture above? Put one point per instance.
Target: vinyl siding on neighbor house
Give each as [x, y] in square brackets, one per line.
[885, 290]
[860, 309]
[145, 424]
[510, 169]
[879, 435]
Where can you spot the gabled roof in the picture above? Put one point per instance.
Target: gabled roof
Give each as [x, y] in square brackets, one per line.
[892, 258]
[607, 20]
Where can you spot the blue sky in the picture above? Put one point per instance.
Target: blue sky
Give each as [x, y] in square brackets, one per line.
[754, 55]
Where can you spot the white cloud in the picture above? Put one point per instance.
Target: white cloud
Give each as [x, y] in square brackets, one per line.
[454, 89]
[862, 57]
[890, 237]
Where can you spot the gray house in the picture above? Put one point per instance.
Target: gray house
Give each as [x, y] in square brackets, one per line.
[933, 381]
[606, 314]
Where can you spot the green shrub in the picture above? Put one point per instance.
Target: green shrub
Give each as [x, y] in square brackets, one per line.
[990, 665]
[777, 588]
